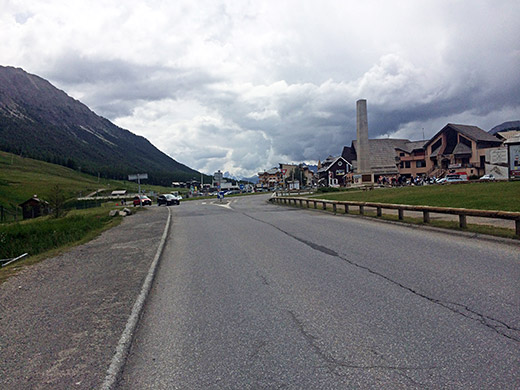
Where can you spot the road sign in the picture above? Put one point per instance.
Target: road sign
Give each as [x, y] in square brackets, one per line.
[138, 176]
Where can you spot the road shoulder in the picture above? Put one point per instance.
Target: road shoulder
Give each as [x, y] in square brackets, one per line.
[62, 318]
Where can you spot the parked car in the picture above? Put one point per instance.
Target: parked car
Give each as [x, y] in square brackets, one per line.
[167, 200]
[176, 196]
[488, 176]
[142, 200]
[452, 178]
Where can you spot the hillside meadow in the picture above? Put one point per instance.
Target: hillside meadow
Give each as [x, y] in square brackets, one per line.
[21, 178]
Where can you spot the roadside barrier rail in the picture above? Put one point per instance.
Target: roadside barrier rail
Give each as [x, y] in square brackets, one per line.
[401, 208]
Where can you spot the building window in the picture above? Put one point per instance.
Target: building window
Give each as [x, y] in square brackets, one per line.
[465, 141]
[436, 145]
[420, 163]
[407, 164]
[401, 154]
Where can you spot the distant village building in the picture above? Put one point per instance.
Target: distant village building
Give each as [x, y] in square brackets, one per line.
[381, 155]
[34, 207]
[334, 172]
[218, 179]
[513, 146]
[270, 179]
[411, 159]
[297, 172]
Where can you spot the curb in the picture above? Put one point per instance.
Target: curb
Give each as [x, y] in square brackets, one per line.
[123, 347]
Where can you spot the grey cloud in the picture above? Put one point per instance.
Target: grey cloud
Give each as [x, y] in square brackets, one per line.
[306, 82]
[113, 87]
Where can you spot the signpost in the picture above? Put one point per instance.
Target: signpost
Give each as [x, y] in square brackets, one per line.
[138, 177]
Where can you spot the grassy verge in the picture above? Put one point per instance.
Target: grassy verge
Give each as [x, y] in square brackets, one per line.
[482, 196]
[45, 237]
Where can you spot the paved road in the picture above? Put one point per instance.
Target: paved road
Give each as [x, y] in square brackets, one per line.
[256, 296]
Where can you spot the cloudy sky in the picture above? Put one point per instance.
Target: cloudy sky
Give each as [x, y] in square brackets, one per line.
[242, 85]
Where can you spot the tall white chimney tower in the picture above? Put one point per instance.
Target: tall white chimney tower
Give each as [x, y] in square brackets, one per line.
[362, 149]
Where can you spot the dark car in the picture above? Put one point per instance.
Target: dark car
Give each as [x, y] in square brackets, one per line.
[167, 199]
[142, 199]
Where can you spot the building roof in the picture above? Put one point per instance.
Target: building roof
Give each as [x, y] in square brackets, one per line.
[410, 146]
[462, 149]
[513, 140]
[474, 133]
[508, 134]
[332, 161]
[382, 154]
[349, 153]
[33, 200]
[272, 171]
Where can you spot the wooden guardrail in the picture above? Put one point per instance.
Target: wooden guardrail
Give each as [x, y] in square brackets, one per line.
[401, 208]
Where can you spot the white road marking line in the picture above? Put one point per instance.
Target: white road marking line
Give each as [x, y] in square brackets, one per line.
[118, 360]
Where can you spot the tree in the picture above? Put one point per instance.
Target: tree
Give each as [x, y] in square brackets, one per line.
[57, 201]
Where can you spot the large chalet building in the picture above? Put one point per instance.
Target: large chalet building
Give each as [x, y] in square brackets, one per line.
[459, 147]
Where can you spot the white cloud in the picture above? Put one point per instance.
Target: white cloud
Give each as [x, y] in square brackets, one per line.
[242, 85]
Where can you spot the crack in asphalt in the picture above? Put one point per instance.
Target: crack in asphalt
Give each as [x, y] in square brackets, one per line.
[332, 361]
[498, 326]
[257, 347]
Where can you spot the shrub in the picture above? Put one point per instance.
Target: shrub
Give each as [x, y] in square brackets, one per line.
[328, 189]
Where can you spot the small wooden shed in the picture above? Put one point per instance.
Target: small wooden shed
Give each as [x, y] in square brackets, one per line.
[34, 207]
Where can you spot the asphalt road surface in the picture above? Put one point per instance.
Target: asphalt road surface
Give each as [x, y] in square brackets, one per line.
[251, 295]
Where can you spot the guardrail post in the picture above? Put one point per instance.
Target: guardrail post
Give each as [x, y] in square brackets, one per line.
[307, 201]
[379, 212]
[315, 204]
[517, 226]
[346, 209]
[324, 206]
[334, 208]
[400, 214]
[426, 216]
[462, 221]
[301, 203]
[361, 210]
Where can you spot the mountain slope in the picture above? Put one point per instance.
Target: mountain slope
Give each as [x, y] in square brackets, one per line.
[512, 125]
[40, 121]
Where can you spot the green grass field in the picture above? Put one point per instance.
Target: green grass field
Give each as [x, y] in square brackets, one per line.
[482, 196]
[21, 178]
[46, 236]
